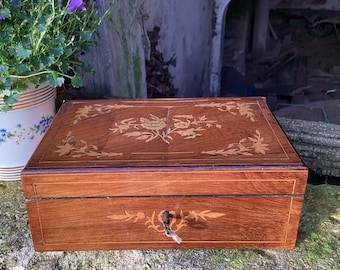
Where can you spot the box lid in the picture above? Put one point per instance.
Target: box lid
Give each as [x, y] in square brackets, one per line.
[163, 133]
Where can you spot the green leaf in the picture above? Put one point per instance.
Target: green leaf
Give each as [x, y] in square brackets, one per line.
[5, 36]
[15, 3]
[20, 52]
[76, 81]
[19, 85]
[3, 69]
[86, 47]
[63, 66]
[6, 83]
[68, 51]
[9, 101]
[5, 13]
[87, 68]
[41, 26]
[58, 51]
[36, 63]
[86, 35]
[47, 60]
[54, 80]
[60, 39]
[34, 80]
[22, 68]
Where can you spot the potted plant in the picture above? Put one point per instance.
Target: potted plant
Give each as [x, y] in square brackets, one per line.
[40, 41]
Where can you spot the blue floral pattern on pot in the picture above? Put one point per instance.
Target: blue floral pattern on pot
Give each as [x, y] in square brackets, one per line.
[20, 133]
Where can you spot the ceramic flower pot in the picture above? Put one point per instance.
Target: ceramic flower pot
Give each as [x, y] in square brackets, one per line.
[22, 129]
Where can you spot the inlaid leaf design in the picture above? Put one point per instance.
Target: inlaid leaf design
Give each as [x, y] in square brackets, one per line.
[128, 217]
[91, 111]
[232, 107]
[155, 221]
[203, 215]
[80, 148]
[246, 146]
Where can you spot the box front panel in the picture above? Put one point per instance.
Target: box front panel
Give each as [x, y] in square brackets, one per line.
[137, 223]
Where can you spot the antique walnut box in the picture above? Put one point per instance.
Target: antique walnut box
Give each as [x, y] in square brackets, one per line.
[164, 174]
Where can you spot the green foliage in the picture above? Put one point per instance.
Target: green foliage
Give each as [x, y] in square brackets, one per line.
[40, 41]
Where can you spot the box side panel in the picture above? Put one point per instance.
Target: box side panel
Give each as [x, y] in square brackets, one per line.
[155, 183]
[137, 223]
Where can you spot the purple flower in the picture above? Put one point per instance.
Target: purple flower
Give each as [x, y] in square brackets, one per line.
[1, 17]
[76, 5]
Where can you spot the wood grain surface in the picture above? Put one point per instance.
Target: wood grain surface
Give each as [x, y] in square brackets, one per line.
[136, 223]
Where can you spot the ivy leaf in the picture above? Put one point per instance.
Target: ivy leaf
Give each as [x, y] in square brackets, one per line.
[21, 52]
[9, 101]
[36, 63]
[86, 47]
[5, 36]
[58, 51]
[15, 3]
[86, 35]
[47, 60]
[63, 66]
[19, 85]
[22, 68]
[54, 80]
[3, 69]
[6, 83]
[87, 68]
[34, 80]
[5, 13]
[41, 26]
[76, 81]
[60, 39]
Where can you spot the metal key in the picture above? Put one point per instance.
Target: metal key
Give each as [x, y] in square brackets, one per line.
[168, 232]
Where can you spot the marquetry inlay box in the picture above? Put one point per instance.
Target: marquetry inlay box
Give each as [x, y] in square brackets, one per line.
[164, 174]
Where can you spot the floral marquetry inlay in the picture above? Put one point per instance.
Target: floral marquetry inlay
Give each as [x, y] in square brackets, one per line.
[246, 146]
[232, 107]
[164, 125]
[96, 110]
[153, 127]
[177, 222]
[80, 148]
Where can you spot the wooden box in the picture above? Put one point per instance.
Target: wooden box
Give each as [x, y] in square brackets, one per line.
[141, 174]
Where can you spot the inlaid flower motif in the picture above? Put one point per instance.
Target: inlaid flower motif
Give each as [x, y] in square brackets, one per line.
[86, 111]
[246, 147]
[181, 124]
[232, 107]
[258, 145]
[70, 145]
[153, 123]
[190, 133]
[124, 125]
[155, 221]
[148, 129]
